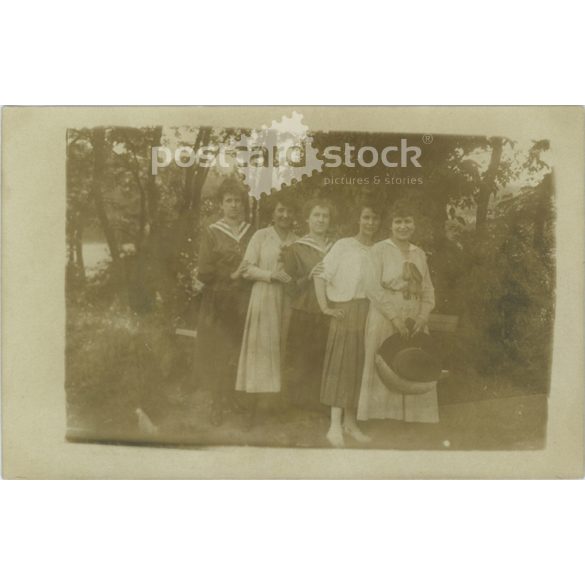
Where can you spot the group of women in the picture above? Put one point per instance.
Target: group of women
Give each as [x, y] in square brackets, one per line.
[306, 316]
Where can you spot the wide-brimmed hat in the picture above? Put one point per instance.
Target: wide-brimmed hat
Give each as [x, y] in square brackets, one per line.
[409, 365]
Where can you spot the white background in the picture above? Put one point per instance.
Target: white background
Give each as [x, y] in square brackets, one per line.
[291, 532]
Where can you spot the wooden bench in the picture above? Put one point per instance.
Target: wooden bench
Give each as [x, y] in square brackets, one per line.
[443, 323]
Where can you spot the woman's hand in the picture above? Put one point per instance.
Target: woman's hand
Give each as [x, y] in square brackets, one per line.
[281, 252]
[335, 313]
[419, 325]
[280, 276]
[240, 270]
[318, 270]
[400, 326]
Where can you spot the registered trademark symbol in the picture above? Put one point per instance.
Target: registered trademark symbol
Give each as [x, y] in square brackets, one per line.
[427, 138]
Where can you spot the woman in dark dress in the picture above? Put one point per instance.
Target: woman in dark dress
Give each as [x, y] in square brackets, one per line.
[309, 327]
[224, 299]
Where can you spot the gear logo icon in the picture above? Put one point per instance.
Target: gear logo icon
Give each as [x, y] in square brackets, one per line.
[273, 157]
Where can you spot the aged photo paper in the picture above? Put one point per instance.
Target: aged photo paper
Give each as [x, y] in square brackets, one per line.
[293, 292]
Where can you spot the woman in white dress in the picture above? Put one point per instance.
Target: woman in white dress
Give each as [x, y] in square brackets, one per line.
[399, 288]
[259, 366]
[341, 293]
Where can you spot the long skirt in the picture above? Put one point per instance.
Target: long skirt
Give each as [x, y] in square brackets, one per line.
[263, 342]
[376, 400]
[344, 355]
[219, 334]
[305, 352]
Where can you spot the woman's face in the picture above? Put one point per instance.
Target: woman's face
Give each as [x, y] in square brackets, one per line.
[369, 222]
[318, 220]
[282, 216]
[232, 206]
[402, 228]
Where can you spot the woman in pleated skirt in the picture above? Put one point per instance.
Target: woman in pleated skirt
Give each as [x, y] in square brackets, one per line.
[340, 290]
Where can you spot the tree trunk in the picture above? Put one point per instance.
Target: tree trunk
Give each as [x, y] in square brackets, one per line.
[71, 252]
[195, 176]
[437, 202]
[79, 263]
[189, 214]
[98, 140]
[151, 189]
[542, 213]
[135, 170]
[487, 185]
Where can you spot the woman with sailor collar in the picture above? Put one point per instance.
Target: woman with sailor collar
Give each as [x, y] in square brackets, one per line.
[309, 327]
[224, 297]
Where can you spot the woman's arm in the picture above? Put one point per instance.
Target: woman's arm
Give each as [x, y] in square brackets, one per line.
[427, 303]
[252, 259]
[321, 294]
[376, 293]
[330, 265]
[293, 267]
[208, 269]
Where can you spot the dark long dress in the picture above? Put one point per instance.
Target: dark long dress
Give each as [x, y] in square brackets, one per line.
[223, 308]
[308, 329]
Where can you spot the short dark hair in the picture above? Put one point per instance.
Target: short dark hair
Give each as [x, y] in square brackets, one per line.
[318, 202]
[233, 186]
[402, 208]
[285, 199]
[367, 202]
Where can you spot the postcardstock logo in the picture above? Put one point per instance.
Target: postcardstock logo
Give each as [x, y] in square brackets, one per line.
[275, 156]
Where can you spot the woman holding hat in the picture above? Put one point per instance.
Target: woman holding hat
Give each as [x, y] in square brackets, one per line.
[401, 292]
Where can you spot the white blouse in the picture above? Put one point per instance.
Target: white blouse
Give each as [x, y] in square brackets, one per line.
[344, 270]
[385, 282]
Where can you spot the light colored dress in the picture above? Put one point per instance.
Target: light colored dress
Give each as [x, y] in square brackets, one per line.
[263, 342]
[385, 288]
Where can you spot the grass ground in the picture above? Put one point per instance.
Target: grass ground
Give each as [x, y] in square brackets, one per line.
[115, 366]
[505, 423]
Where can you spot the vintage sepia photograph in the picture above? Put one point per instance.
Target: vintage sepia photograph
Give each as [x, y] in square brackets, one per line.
[279, 285]
[287, 285]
